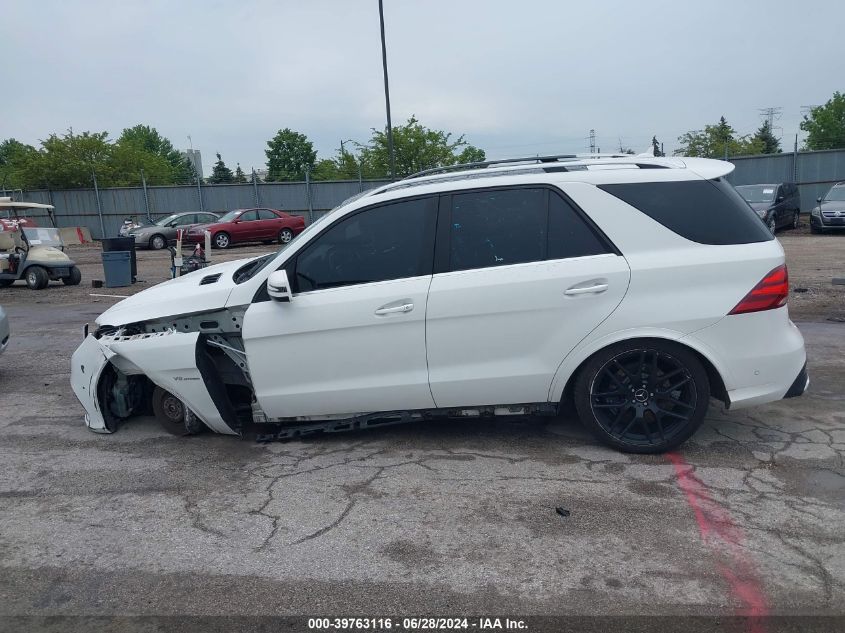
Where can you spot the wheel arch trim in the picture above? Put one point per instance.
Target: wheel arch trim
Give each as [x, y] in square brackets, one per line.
[564, 378]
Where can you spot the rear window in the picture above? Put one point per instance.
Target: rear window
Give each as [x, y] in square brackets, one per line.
[704, 211]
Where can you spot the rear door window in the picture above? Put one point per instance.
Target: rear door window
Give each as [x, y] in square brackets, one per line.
[703, 211]
[569, 233]
[498, 228]
[266, 214]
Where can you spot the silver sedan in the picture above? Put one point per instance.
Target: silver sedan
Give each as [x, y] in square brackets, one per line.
[163, 232]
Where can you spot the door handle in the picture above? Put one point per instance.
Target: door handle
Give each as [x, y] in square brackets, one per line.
[405, 306]
[576, 290]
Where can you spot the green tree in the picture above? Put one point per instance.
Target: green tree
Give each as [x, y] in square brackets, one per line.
[123, 168]
[825, 125]
[68, 162]
[471, 154]
[416, 148]
[239, 175]
[769, 142]
[13, 153]
[326, 169]
[149, 139]
[655, 146]
[717, 141]
[220, 173]
[289, 155]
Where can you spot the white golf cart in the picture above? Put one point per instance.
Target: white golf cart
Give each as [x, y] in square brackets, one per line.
[31, 253]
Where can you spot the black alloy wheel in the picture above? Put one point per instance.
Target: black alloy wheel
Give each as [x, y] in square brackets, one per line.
[643, 399]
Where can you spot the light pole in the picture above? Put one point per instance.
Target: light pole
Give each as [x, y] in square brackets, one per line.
[386, 92]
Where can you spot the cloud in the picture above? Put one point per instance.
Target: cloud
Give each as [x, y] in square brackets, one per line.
[514, 77]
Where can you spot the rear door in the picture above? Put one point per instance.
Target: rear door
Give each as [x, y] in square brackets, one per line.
[269, 224]
[521, 277]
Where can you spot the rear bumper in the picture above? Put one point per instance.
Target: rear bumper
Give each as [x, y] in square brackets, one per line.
[802, 382]
[758, 356]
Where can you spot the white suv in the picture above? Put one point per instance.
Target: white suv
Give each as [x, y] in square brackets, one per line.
[637, 288]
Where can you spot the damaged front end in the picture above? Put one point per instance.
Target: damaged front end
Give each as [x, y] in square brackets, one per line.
[188, 371]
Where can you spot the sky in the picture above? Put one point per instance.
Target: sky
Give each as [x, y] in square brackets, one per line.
[517, 78]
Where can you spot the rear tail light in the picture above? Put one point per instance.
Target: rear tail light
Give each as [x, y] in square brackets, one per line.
[772, 292]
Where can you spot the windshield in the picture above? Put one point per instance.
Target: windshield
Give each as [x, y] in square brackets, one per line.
[229, 216]
[43, 237]
[757, 193]
[166, 221]
[836, 194]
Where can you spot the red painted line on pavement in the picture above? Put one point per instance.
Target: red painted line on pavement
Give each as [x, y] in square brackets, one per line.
[722, 535]
[79, 233]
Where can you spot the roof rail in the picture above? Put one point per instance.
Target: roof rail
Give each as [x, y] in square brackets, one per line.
[553, 158]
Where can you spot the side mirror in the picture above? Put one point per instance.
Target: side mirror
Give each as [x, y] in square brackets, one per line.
[781, 198]
[819, 199]
[278, 287]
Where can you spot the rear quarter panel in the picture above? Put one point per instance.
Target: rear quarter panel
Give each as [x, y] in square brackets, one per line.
[677, 286]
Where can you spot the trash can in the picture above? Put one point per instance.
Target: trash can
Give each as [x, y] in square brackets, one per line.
[117, 267]
[111, 244]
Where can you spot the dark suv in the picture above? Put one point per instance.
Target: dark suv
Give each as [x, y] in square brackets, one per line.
[830, 214]
[777, 205]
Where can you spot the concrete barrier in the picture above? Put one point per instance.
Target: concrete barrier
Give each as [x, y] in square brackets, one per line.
[76, 235]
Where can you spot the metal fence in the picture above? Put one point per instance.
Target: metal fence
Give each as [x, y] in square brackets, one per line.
[814, 172]
[104, 210]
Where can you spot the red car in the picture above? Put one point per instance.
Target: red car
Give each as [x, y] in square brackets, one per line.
[249, 225]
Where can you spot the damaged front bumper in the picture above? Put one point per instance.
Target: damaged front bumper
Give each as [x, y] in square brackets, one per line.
[86, 367]
[167, 359]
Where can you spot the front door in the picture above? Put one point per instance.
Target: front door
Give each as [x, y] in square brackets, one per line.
[247, 227]
[352, 339]
[528, 277]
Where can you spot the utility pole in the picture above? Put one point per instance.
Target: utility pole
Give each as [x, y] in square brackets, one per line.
[771, 114]
[146, 197]
[386, 92]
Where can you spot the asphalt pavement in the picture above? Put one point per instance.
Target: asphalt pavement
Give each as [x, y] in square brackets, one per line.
[447, 518]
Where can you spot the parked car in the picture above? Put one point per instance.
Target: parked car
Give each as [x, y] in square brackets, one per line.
[829, 215]
[778, 205]
[250, 225]
[4, 330]
[635, 288]
[163, 232]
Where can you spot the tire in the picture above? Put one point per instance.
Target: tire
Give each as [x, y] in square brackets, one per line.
[815, 229]
[36, 278]
[73, 278]
[221, 240]
[157, 242]
[172, 414]
[645, 423]
[772, 224]
[285, 236]
[796, 219]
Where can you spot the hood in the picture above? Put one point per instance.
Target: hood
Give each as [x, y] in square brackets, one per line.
[182, 295]
[145, 228]
[832, 205]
